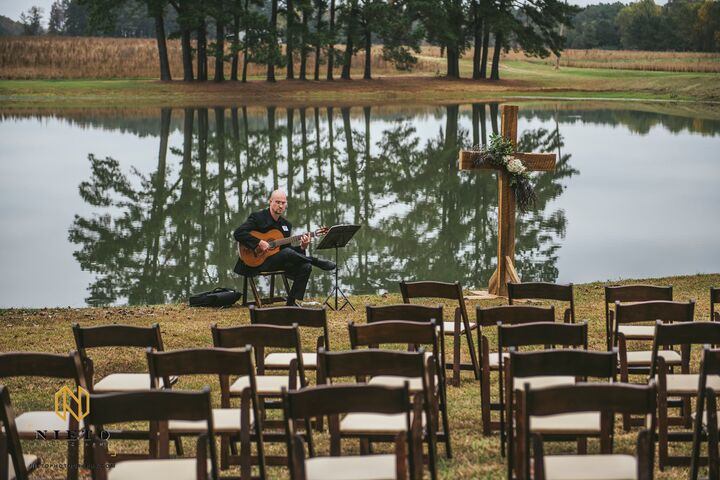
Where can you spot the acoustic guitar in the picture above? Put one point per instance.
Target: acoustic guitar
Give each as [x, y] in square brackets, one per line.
[276, 239]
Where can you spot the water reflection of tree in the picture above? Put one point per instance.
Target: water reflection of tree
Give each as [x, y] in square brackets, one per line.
[159, 237]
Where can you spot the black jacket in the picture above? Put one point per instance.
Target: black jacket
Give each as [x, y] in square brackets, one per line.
[261, 221]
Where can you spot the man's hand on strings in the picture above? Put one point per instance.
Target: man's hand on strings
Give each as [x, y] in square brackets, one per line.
[304, 241]
[263, 246]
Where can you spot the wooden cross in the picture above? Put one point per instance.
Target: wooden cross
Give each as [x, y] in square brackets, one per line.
[539, 162]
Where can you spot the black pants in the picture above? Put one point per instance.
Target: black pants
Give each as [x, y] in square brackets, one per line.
[297, 268]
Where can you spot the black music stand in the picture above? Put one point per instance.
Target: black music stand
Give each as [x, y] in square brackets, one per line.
[338, 236]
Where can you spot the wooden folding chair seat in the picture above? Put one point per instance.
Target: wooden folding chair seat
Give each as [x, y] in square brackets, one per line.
[626, 294]
[337, 400]
[606, 399]
[459, 327]
[231, 423]
[544, 291]
[684, 385]
[714, 299]
[490, 361]
[160, 407]
[511, 338]
[306, 318]
[581, 365]
[366, 364]
[392, 333]
[28, 424]
[14, 464]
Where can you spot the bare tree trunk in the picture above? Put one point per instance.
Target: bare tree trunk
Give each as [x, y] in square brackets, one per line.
[202, 61]
[485, 48]
[349, 43]
[318, 46]
[273, 39]
[187, 55]
[162, 48]
[477, 40]
[368, 53]
[331, 46]
[219, 49]
[289, 40]
[495, 72]
[303, 45]
[235, 49]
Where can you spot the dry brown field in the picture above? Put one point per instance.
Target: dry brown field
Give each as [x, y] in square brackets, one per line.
[107, 58]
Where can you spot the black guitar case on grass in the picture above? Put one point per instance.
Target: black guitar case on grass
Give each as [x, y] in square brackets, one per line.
[219, 297]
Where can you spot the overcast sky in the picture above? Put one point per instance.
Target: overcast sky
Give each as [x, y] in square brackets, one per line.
[13, 8]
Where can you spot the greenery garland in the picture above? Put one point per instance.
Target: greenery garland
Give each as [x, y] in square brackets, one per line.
[499, 153]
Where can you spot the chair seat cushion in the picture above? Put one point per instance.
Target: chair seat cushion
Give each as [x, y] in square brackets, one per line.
[174, 468]
[224, 420]
[449, 327]
[374, 423]
[643, 357]
[358, 467]
[687, 383]
[266, 384]
[637, 332]
[31, 463]
[590, 467]
[494, 359]
[566, 423]
[282, 360]
[30, 422]
[542, 381]
[398, 381]
[123, 382]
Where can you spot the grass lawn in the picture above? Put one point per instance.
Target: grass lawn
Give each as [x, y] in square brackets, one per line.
[475, 456]
[519, 79]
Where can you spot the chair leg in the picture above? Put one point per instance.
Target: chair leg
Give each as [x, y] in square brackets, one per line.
[471, 345]
[245, 292]
[662, 430]
[256, 294]
[73, 459]
[485, 389]
[456, 358]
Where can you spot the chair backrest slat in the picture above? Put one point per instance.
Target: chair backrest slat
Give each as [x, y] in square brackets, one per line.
[117, 336]
[345, 398]
[256, 336]
[392, 332]
[591, 397]
[687, 333]
[664, 310]
[371, 363]
[406, 312]
[430, 289]
[514, 314]
[539, 290]
[637, 293]
[543, 333]
[34, 364]
[201, 361]
[576, 363]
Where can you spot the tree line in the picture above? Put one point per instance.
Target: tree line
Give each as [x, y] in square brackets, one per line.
[679, 25]
[324, 34]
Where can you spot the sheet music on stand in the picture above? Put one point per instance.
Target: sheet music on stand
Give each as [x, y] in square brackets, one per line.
[337, 237]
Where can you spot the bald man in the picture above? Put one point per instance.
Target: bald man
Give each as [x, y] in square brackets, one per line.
[292, 259]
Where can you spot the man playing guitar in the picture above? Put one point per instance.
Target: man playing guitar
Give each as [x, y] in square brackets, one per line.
[292, 259]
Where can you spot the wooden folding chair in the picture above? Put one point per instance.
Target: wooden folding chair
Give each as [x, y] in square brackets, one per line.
[683, 385]
[489, 362]
[121, 336]
[282, 340]
[608, 400]
[161, 407]
[230, 423]
[305, 318]
[28, 424]
[541, 368]
[337, 400]
[706, 413]
[714, 299]
[513, 337]
[363, 365]
[391, 333]
[460, 326]
[627, 318]
[14, 464]
[632, 293]
[413, 313]
[544, 291]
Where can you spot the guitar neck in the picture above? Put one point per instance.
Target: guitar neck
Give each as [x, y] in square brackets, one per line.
[288, 240]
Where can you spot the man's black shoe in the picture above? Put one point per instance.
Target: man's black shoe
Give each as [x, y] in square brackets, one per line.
[323, 264]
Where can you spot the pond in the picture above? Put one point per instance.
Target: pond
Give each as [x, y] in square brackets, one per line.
[137, 206]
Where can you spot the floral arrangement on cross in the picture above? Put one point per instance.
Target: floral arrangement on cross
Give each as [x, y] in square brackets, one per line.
[499, 152]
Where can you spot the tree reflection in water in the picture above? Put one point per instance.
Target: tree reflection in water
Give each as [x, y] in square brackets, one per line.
[157, 238]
